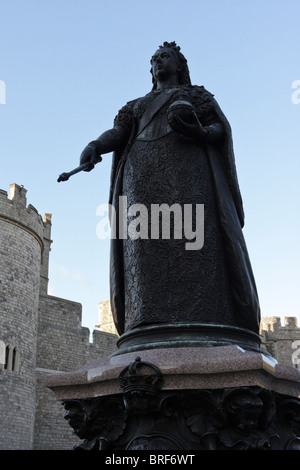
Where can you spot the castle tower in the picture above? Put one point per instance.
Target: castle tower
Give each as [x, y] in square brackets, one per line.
[282, 341]
[24, 250]
[106, 322]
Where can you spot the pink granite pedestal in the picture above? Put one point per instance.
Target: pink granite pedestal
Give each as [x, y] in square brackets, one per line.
[182, 369]
[201, 402]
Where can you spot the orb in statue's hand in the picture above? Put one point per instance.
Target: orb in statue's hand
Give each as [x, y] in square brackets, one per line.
[183, 109]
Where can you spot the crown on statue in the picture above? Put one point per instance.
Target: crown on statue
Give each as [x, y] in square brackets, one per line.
[172, 45]
[140, 376]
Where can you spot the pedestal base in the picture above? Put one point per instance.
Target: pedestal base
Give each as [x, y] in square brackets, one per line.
[218, 398]
[178, 335]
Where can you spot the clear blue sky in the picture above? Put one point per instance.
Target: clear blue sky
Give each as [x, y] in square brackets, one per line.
[70, 65]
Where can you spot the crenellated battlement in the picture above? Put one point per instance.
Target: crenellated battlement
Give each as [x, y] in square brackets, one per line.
[273, 326]
[20, 216]
[14, 210]
[281, 340]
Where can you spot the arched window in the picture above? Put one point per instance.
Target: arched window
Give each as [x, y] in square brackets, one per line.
[9, 355]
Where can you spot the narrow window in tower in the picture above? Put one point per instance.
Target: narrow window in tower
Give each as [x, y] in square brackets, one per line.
[7, 350]
[13, 363]
[12, 358]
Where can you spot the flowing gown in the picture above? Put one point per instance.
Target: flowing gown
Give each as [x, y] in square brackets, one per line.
[162, 281]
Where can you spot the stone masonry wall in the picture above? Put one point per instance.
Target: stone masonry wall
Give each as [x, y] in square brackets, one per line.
[106, 322]
[21, 246]
[39, 334]
[282, 341]
[63, 345]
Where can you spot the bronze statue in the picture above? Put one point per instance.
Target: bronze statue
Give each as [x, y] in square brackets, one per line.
[174, 146]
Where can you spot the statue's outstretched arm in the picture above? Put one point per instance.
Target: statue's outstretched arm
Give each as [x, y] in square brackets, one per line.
[110, 140]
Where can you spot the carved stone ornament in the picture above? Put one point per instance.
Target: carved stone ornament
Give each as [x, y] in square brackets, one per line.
[145, 417]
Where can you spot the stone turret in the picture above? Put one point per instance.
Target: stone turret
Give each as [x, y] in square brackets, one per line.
[105, 317]
[282, 341]
[24, 249]
[39, 333]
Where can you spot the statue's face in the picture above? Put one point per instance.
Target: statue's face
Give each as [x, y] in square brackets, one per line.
[164, 64]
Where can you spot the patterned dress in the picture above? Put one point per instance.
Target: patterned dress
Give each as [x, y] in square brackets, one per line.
[163, 281]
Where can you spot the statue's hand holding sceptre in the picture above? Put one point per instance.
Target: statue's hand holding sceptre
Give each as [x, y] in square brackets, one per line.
[88, 160]
[89, 155]
[107, 142]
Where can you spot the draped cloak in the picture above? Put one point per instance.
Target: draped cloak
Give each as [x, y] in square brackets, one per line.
[230, 215]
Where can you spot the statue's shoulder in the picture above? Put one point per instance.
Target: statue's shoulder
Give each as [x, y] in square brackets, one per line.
[201, 92]
[132, 106]
[202, 100]
[129, 105]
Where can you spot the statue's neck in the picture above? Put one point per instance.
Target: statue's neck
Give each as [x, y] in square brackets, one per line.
[170, 82]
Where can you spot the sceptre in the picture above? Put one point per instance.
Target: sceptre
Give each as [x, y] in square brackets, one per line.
[65, 176]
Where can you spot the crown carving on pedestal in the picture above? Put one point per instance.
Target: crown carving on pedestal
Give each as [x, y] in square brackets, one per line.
[140, 376]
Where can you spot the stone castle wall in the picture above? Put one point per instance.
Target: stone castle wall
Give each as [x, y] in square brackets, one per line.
[68, 350]
[282, 341]
[21, 247]
[105, 317]
[39, 334]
